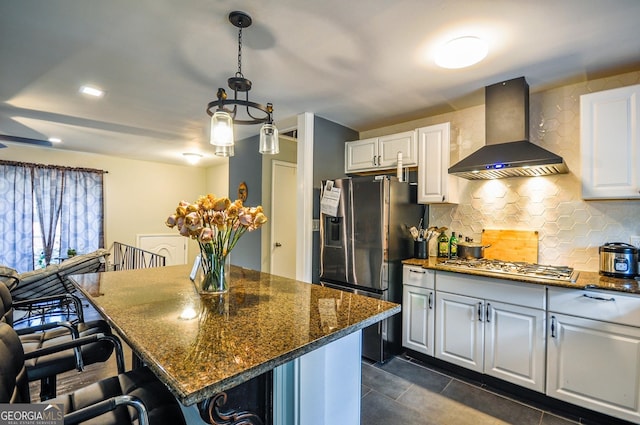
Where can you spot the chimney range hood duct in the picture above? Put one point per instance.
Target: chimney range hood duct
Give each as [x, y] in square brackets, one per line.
[508, 152]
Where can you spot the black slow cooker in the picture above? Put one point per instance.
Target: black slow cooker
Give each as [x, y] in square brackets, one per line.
[619, 259]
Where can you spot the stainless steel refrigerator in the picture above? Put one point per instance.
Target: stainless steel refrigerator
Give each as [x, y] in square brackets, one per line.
[362, 244]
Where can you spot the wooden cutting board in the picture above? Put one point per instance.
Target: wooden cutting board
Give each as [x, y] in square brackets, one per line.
[511, 245]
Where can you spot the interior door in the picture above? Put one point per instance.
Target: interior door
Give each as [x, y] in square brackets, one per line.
[172, 247]
[283, 219]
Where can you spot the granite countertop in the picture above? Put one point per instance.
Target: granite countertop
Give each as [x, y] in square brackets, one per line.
[585, 280]
[262, 322]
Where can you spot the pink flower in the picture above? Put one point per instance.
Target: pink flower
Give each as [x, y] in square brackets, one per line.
[206, 235]
[171, 221]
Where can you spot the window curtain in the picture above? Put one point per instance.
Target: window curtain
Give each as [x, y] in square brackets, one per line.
[81, 222]
[16, 217]
[47, 185]
[69, 205]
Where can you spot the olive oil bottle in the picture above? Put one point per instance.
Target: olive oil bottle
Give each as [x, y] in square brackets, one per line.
[453, 245]
[443, 245]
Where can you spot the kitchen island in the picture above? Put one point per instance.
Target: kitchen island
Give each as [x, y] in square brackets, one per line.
[201, 347]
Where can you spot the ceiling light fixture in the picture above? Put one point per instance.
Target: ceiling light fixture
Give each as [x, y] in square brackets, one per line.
[223, 118]
[461, 52]
[192, 158]
[92, 91]
[55, 139]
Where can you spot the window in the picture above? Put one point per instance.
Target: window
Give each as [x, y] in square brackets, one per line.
[48, 209]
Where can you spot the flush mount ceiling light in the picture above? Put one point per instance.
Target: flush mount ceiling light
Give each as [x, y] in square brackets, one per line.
[242, 111]
[55, 139]
[461, 52]
[192, 158]
[92, 91]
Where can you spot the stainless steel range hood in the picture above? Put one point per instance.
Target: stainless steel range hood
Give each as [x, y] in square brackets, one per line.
[508, 152]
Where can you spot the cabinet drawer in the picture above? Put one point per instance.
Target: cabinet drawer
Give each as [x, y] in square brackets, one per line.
[507, 291]
[417, 276]
[608, 306]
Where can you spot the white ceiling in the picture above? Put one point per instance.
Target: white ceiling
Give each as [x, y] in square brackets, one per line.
[363, 64]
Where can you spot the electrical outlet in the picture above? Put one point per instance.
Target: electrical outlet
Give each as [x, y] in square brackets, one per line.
[635, 241]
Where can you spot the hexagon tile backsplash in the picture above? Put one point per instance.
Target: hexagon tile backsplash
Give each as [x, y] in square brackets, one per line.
[570, 229]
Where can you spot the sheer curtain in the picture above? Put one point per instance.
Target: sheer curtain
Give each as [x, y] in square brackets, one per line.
[47, 185]
[63, 206]
[16, 217]
[81, 222]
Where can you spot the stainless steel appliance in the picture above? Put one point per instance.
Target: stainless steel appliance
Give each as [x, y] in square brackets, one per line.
[508, 151]
[618, 259]
[362, 247]
[540, 271]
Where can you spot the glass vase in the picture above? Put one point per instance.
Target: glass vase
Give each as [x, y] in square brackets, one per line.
[215, 276]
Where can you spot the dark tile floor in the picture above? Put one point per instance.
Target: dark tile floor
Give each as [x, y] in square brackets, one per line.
[403, 391]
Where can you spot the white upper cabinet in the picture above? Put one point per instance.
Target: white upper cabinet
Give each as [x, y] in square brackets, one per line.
[435, 185]
[609, 144]
[381, 153]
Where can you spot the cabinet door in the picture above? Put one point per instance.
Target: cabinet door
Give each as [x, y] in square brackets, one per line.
[417, 319]
[361, 155]
[594, 364]
[610, 143]
[389, 146]
[460, 330]
[435, 185]
[515, 344]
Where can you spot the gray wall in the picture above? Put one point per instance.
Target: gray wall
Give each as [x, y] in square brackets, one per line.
[246, 166]
[328, 163]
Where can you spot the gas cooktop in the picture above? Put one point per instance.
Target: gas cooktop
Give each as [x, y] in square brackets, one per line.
[515, 268]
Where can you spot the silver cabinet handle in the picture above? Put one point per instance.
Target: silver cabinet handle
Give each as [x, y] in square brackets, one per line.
[598, 298]
[374, 160]
[417, 271]
[430, 301]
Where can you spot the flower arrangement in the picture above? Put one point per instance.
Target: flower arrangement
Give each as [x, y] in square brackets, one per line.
[217, 224]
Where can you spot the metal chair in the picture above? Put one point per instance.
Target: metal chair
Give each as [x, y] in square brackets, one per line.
[123, 399]
[38, 340]
[49, 281]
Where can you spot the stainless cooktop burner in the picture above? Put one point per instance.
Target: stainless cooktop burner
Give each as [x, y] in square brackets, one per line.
[516, 268]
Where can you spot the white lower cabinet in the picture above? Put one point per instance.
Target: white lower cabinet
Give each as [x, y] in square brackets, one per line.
[418, 299]
[497, 327]
[595, 363]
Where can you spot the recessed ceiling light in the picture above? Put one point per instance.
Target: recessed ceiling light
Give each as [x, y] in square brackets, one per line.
[192, 158]
[55, 139]
[461, 52]
[92, 91]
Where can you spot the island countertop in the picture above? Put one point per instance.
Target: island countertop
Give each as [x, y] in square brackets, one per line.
[262, 322]
[585, 280]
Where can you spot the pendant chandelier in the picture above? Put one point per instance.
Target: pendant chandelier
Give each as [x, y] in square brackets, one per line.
[226, 112]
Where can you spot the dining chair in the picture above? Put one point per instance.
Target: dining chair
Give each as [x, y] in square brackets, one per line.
[45, 366]
[136, 396]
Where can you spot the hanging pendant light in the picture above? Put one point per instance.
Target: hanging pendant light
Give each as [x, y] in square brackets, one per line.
[221, 129]
[243, 111]
[224, 151]
[269, 143]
